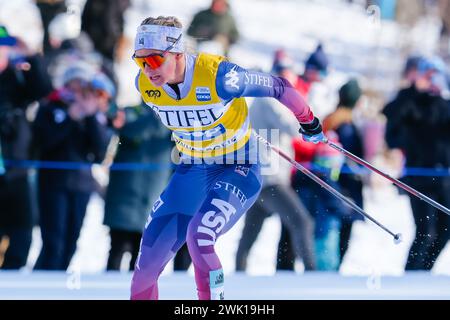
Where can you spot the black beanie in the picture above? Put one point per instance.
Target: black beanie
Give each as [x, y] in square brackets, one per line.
[349, 94]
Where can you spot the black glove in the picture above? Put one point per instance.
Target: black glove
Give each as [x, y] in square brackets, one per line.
[312, 132]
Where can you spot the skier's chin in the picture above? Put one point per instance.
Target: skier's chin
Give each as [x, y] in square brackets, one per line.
[157, 81]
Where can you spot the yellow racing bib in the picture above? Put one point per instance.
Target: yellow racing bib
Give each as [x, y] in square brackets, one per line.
[203, 126]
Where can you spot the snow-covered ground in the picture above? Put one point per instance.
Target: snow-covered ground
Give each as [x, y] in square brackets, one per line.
[179, 286]
[373, 267]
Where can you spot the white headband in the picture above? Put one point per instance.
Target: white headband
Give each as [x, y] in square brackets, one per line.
[159, 38]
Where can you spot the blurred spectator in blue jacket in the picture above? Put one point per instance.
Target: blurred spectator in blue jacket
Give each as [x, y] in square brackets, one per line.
[351, 184]
[326, 209]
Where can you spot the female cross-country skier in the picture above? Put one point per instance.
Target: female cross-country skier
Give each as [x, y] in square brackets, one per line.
[201, 99]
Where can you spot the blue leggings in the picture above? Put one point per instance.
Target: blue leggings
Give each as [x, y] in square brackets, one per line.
[201, 202]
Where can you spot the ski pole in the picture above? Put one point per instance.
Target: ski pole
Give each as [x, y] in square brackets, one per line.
[397, 236]
[397, 182]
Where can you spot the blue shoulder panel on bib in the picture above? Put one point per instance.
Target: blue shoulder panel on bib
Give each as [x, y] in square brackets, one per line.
[234, 81]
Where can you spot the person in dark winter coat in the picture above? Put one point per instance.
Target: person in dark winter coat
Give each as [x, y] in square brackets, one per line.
[418, 122]
[131, 193]
[103, 21]
[69, 129]
[22, 81]
[215, 23]
[341, 122]
[49, 9]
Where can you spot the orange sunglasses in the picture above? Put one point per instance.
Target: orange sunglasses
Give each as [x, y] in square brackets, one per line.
[154, 60]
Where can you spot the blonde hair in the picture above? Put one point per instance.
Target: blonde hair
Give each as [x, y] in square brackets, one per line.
[169, 21]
